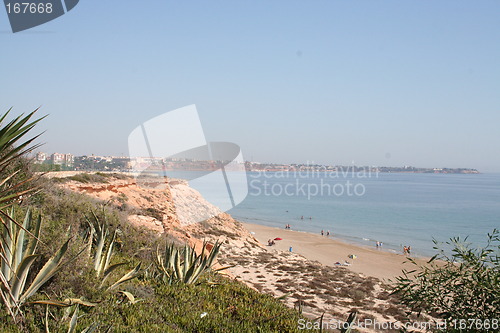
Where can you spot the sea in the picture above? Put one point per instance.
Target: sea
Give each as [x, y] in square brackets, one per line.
[397, 209]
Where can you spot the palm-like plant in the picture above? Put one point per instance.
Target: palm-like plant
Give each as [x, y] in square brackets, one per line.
[12, 147]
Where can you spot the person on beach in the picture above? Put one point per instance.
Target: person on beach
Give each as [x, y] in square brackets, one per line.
[328, 233]
[377, 244]
[408, 249]
[322, 232]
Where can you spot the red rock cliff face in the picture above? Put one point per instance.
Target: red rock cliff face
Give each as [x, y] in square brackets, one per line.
[170, 207]
[151, 206]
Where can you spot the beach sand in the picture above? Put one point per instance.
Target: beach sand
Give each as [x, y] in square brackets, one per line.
[373, 262]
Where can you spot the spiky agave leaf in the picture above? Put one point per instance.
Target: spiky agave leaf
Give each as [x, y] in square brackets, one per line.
[93, 327]
[105, 263]
[12, 133]
[21, 275]
[20, 245]
[67, 302]
[109, 270]
[74, 318]
[131, 298]
[99, 231]
[129, 276]
[347, 326]
[48, 270]
[11, 148]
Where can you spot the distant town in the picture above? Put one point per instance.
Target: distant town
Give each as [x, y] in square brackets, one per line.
[253, 166]
[69, 162]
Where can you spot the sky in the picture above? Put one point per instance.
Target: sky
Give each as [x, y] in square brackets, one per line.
[382, 83]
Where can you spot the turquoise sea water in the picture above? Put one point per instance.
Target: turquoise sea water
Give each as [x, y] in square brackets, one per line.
[393, 208]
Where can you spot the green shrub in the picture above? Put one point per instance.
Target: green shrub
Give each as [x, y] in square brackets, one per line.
[461, 288]
[98, 177]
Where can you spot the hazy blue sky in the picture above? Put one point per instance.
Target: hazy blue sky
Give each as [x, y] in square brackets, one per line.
[374, 82]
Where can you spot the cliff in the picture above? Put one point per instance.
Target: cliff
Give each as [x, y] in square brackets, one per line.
[168, 207]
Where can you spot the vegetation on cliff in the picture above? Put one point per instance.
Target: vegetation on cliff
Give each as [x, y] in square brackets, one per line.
[93, 271]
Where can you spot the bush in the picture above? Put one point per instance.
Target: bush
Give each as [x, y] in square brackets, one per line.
[459, 288]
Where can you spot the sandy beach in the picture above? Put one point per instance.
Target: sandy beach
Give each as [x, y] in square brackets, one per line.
[328, 250]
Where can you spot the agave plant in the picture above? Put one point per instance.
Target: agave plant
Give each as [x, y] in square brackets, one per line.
[101, 243]
[184, 264]
[17, 255]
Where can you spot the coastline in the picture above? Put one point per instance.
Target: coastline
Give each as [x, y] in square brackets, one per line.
[304, 279]
[374, 262]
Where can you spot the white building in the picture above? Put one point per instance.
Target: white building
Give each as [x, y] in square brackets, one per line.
[57, 158]
[69, 159]
[40, 157]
